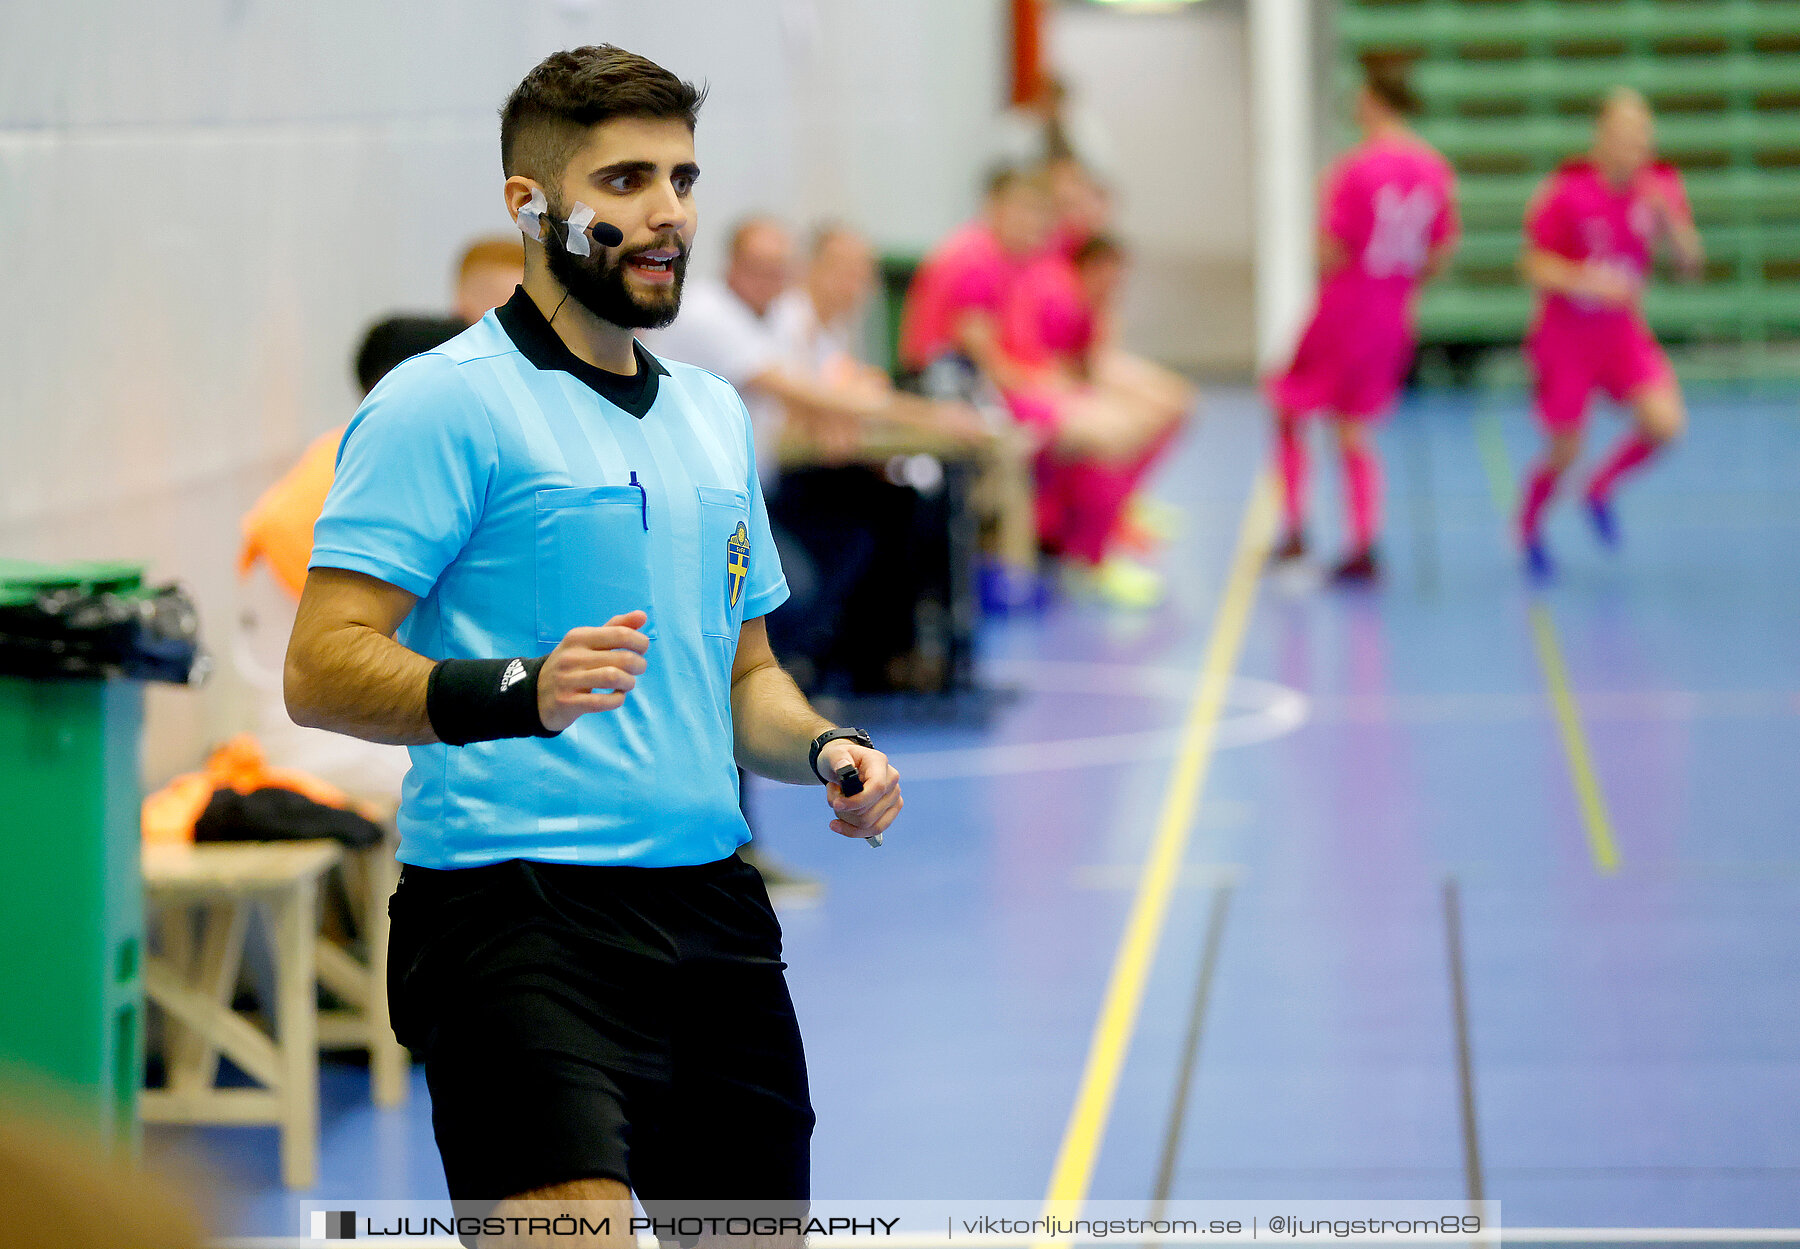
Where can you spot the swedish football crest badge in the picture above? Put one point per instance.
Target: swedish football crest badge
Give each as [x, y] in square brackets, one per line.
[737, 564]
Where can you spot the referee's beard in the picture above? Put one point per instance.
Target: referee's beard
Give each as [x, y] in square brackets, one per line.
[599, 285]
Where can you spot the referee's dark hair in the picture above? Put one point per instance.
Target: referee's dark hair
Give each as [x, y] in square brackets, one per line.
[546, 118]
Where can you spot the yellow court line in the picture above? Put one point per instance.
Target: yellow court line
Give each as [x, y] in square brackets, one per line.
[1501, 486]
[1149, 909]
[1568, 723]
[1595, 820]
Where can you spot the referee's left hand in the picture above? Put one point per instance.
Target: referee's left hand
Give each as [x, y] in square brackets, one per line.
[871, 811]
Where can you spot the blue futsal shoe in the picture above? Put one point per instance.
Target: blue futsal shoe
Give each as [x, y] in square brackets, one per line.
[1539, 567]
[1606, 525]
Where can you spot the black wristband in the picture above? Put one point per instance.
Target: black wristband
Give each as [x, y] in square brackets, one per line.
[482, 700]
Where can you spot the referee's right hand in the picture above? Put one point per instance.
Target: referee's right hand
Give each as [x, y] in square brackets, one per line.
[592, 669]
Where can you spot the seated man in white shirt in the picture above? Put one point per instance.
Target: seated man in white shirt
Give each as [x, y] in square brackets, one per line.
[729, 327]
[725, 327]
[818, 319]
[787, 351]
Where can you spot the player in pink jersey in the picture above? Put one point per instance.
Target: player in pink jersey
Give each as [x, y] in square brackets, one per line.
[1114, 413]
[950, 336]
[1389, 223]
[959, 293]
[1084, 205]
[998, 295]
[1589, 234]
[965, 301]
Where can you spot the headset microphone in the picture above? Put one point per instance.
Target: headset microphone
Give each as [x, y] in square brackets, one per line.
[574, 233]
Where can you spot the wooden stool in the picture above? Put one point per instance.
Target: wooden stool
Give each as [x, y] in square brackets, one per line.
[224, 882]
[369, 879]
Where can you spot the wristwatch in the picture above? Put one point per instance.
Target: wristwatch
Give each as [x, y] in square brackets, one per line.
[831, 735]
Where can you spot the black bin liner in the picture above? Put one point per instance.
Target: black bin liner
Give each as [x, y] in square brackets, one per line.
[98, 630]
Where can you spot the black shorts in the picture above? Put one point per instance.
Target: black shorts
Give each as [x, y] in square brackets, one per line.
[623, 1023]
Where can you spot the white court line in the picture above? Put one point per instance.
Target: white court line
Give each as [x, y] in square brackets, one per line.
[1532, 1235]
[1658, 1235]
[1266, 711]
[1057, 676]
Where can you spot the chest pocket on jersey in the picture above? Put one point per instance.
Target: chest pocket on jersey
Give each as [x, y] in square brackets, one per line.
[726, 558]
[593, 559]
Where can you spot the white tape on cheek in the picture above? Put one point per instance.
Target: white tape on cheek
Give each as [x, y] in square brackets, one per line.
[579, 221]
[531, 216]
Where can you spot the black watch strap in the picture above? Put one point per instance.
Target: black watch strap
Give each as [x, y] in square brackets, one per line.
[832, 735]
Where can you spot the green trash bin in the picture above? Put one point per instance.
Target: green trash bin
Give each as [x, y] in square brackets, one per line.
[71, 898]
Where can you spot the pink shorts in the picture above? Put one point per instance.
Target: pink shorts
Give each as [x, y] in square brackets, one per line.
[1619, 357]
[1343, 369]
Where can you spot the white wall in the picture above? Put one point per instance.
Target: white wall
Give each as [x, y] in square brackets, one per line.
[202, 202]
[1171, 90]
[899, 96]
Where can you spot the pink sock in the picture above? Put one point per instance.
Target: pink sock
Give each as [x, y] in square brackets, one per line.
[1096, 494]
[1632, 451]
[1538, 489]
[1362, 490]
[1290, 460]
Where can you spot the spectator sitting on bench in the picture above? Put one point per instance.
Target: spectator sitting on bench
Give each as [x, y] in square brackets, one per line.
[789, 361]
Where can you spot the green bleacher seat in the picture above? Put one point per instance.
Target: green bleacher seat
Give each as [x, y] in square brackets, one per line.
[1548, 139]
[1763, 244]
[1433, 25]
[1452, 83]
[1466, 314]
[1768, 194]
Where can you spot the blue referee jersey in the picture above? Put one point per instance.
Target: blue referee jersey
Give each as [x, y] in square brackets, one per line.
[519, 493]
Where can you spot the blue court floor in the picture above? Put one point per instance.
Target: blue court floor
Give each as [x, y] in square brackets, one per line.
[1392, 799]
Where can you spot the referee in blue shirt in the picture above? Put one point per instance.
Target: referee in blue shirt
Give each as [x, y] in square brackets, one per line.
[544, 566]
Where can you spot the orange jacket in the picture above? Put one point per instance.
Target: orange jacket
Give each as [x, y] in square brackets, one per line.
[280, 527]
[170, 813]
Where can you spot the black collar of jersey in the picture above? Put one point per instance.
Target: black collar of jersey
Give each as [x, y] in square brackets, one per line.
[538, 343]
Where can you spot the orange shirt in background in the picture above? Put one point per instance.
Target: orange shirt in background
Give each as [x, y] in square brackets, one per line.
[169, 814]
[279, 528]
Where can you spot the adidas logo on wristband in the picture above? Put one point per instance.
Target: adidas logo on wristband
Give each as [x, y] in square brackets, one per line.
[484, 700]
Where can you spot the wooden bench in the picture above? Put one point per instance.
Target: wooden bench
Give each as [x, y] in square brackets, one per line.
[361, 983]
[198, 904]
